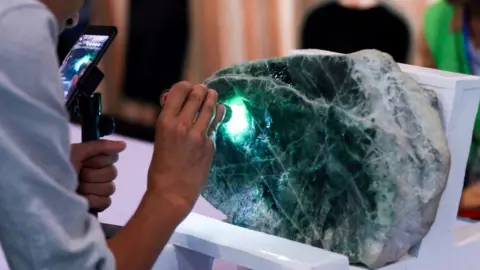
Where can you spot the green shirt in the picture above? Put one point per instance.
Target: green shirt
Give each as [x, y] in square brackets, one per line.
[447, 47]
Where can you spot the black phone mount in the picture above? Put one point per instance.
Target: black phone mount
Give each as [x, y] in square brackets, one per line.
[88, 106]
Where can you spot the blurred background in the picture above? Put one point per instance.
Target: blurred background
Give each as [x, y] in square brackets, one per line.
[161, 42]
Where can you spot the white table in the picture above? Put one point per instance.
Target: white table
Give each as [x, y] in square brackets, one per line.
[131, 183]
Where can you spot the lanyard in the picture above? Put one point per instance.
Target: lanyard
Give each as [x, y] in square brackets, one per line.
[466, 38]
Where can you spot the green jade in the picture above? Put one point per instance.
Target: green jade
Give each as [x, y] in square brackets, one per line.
[345, 152]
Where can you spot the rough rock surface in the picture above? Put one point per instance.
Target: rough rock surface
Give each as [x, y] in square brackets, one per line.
[342, 152]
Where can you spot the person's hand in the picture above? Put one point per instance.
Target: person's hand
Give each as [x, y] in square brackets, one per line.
[470, 198]
[94, 162]
[184, 146]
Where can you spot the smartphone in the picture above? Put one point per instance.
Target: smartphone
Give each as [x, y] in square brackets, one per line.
[85, 54]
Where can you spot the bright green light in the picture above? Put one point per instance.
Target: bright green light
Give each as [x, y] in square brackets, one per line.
[239, 124]
[82, 61]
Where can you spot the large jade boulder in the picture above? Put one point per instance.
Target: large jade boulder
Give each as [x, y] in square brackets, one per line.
[344, 152]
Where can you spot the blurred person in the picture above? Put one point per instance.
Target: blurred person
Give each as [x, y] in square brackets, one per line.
[451, 41]
[68, 37]
[44, 223]
[151, 22]
[143, 54]
[373, 25]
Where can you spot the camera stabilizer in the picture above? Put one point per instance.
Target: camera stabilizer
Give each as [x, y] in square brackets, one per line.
[87, 105]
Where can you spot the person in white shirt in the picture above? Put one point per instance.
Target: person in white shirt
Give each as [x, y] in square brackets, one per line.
[44, 223]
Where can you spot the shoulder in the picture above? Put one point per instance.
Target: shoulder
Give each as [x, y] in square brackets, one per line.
[28, 50]
[30, 7]
[26, 24]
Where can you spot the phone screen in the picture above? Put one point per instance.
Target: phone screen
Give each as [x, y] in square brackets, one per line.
[80, 57]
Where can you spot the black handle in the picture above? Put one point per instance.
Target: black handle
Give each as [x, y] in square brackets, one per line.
[90, 112]
[94, 124]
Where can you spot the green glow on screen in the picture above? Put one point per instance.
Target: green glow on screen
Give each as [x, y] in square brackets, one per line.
[239, 124]
[82, 61]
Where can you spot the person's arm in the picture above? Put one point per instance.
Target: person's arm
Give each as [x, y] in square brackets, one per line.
[44, 224]
[138, 244]
[470, 200]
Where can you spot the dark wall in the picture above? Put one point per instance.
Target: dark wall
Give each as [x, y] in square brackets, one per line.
[159, 32]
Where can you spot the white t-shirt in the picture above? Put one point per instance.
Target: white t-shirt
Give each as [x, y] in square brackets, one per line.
[44, 224]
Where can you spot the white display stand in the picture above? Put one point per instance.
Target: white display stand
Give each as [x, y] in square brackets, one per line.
[450, 244]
